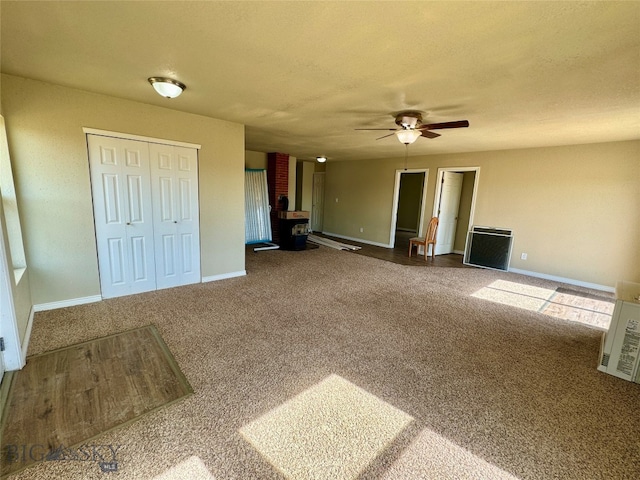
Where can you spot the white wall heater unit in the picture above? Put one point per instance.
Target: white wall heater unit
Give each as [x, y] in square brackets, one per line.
[620, 348]
[489, 247]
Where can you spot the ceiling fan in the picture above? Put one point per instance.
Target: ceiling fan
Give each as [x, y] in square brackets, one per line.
[411, 127]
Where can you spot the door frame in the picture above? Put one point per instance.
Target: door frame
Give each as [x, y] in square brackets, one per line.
[140, 138]
[396, 198]
[474, 195]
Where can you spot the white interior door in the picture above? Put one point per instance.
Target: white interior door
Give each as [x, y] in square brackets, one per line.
[174, 174]
[121, 187]
[450, 191]
[317, 205]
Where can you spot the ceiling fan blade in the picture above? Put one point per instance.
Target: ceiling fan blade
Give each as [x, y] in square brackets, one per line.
[435, 126]
[429, 134]
[385, 136]
[387, 129]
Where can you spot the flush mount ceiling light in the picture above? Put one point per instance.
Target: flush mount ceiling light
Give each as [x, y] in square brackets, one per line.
[167, 87]
[321, 159]
[408, 135]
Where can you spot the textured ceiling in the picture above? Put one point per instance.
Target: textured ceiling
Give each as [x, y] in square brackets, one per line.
[303, 75]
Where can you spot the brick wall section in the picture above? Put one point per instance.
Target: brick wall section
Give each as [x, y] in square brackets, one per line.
[278, 184]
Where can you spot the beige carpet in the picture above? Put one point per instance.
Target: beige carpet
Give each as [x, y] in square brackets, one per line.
[324, 364]
[62, 400]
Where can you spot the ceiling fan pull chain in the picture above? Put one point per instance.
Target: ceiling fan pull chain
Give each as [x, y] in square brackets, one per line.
[406, 155]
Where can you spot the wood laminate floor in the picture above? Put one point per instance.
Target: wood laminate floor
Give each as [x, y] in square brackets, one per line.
[62, 399]
[400, 253]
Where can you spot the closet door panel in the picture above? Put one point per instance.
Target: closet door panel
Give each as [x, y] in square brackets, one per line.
[116, 270]
[141, 259]
[110, 207]
[164, 218]
[122, 213]
[174, 178]
[188, 225]
[185, 200]
[165, 200]
[135, 192]
[187, 254]
[169, 255]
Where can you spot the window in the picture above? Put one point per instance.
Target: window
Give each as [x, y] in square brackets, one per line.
[10, 206]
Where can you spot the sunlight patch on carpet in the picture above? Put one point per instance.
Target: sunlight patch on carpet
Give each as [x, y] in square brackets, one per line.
[515, 294]
[331, 430]
[63, 399]
[192, 468]
[559, 303]
[430, 452]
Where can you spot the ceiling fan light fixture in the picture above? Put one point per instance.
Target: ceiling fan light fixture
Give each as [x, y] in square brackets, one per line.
[408, 136]
[167, 87]
[321, 159]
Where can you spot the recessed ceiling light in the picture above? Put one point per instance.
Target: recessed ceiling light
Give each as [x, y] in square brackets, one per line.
[167, 87]
[321, 159]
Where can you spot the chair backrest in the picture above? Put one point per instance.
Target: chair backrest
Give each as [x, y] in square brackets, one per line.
[430, 237]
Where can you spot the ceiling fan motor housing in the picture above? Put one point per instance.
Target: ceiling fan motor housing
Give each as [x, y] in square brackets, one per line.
[408, 120]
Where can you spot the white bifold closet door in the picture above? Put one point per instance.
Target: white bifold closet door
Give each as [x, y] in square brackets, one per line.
[123, 215]
[174, 177]
[145, 200]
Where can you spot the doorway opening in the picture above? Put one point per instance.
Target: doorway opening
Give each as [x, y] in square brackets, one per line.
[409, 202]
[317, 203]
[454, 205]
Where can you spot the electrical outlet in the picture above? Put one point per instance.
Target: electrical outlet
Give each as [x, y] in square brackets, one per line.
[523, 256]
[336, 199]
[361, 229]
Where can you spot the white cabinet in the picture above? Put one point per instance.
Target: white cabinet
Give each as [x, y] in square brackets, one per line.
[145, 200]
[620, 350]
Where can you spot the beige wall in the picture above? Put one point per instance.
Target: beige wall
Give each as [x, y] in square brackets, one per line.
[257, 160]
[49, 154]
[575, 210]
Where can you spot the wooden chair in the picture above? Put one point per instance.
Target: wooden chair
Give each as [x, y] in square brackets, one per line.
[428, 239]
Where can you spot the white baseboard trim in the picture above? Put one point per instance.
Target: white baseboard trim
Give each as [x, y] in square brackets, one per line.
[27, 335]
[360, 240]
[458, 252]
[570, 281]
[224, 276]
[72, 302]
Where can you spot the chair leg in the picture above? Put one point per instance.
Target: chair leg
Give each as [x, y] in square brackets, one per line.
[410, 246]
